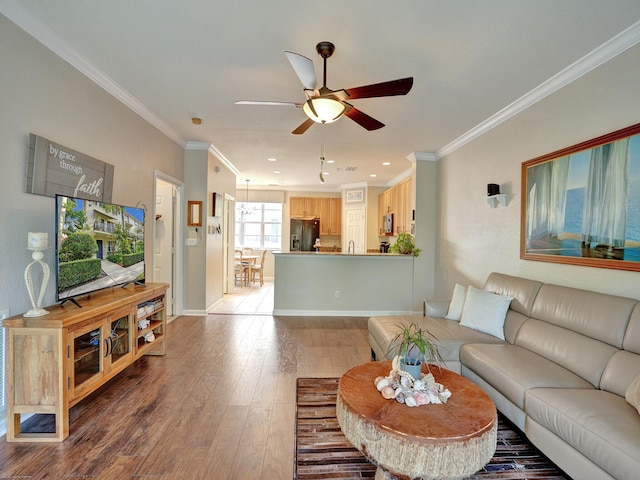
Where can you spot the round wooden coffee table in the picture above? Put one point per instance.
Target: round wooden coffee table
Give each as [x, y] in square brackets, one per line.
[448, 441]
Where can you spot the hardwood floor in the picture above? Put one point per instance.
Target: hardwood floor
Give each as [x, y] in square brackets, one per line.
[219, 405]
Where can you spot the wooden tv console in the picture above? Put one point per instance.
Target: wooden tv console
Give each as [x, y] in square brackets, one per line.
[54, 361]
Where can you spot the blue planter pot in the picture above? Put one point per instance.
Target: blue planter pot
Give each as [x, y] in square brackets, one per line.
[412, 366]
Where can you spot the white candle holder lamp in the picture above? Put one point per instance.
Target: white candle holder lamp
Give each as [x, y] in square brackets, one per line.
[37, 243]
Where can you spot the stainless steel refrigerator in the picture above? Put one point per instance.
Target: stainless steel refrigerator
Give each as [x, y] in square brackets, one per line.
[304, 234]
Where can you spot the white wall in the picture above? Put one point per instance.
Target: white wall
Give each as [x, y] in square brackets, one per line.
[42, 94]
[475, 239]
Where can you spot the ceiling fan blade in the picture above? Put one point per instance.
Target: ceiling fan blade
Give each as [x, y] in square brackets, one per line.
[362, 118]
[303, 127]
[260, 102]
[384, 89]
[303, 67]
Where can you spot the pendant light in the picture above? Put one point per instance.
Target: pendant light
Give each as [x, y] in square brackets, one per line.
[321, 153]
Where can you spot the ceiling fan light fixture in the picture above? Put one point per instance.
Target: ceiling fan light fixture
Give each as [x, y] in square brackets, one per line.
[323, 110]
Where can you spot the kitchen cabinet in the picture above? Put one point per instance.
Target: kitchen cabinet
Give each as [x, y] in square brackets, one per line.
[55, 361]
[304, 207]
[327, 209]
[397, 200]
[330, 216]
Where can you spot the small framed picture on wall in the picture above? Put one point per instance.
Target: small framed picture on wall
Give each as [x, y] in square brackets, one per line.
[216, 205]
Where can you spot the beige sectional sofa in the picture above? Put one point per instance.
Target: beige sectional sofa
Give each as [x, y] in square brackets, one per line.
[560, 375]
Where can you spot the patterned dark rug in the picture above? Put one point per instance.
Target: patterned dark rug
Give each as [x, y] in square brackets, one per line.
[323, 452]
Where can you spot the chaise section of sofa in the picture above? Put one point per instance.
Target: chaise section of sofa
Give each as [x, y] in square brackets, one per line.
[560, 374]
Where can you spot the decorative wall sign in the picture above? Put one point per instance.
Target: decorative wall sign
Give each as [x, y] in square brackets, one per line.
[354, 196]
[581, 205]
[55, 169]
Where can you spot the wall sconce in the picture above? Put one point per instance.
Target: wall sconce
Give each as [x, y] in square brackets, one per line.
[494, 197]
[194, 213]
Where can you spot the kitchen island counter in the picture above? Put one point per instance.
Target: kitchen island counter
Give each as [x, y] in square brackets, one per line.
[343, 284]
[345, 254]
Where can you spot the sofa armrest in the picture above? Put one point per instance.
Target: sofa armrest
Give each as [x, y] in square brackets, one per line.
[436, 308]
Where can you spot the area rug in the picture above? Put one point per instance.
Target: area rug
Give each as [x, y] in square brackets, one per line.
[323, 452]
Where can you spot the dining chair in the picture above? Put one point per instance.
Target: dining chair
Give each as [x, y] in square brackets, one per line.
[241, 268]
[258, 268]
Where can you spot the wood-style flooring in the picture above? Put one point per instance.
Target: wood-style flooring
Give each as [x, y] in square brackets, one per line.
[219, 405]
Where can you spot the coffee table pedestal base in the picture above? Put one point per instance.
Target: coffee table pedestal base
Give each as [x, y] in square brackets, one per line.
[430, 442]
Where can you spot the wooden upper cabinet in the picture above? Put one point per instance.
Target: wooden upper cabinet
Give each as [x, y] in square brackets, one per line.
[296, 207]
[304, 207]
[312, 206]
[327, 209]
[335, 216]
[399, 201]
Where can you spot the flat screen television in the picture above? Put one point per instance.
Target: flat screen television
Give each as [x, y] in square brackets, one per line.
[98, 245]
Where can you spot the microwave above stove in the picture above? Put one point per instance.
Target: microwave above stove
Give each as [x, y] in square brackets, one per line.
[387, 224]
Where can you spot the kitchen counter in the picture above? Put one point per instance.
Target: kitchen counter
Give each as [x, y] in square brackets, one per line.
[344, 254]
[343, 284]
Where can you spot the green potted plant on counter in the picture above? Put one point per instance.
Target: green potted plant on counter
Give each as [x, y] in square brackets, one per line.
[404, 245]
[414, 346]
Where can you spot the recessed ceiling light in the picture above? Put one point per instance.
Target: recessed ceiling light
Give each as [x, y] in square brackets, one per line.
[271, 159]
[325, 173]
[386, 164]
[280, 181]
[373, 175]
[331, 161]
[276, 171]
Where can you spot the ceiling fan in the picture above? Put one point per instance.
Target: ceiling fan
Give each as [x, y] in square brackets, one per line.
[324, 105]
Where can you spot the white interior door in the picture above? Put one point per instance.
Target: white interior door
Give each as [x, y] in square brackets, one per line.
[355, 227]
[164, 248]
[229, 242]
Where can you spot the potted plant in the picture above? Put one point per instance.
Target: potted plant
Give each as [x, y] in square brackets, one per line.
[404, 245]
[415, 346]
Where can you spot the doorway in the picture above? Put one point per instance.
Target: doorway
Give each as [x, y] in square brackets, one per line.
[166, 239]
[355, 228]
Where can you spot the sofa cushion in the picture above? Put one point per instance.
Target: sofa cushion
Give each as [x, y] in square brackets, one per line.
[632, 394]
[450, 334]
[631, 340]
[512, 370]
[522, 290]
[485, 311]
[600, 425]
[595, 315]
[621, 369]
[566, 348]
[457, 302]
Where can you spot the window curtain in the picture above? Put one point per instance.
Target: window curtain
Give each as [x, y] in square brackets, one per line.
[605, 205]
[547, 192]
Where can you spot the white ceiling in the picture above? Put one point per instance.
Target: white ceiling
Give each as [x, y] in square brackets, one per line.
[474, 63]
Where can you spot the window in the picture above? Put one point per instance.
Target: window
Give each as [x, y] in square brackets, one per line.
[259, 225]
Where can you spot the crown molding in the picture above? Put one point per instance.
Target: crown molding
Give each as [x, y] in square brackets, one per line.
[224, 160]
[426, 156]
[602, 54]
[190, 145]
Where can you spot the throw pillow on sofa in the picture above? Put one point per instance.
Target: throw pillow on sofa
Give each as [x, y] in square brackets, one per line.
[485, 311]
[457, 302]
[633, 393]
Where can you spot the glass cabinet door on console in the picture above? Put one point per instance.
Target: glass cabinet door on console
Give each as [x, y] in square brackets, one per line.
[102, 347]
[85, 351]
[119, 342]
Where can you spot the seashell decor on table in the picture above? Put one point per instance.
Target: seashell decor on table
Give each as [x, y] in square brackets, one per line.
[402, 387]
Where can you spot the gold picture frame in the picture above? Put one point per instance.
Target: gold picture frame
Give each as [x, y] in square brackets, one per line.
[194, 213]
[581, 205]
